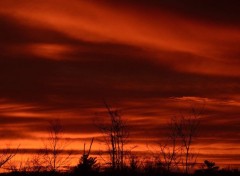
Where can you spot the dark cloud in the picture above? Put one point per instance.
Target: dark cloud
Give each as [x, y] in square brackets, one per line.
[96, 71]
[222, 12]
[102, 77]
[15, 31]
[13, 134]
[18, 121]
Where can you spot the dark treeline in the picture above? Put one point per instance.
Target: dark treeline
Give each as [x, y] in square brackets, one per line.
[175, 157]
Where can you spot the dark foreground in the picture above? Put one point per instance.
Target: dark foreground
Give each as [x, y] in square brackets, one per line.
[223, 172]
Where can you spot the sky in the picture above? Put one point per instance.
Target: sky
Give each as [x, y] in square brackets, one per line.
[152, 60]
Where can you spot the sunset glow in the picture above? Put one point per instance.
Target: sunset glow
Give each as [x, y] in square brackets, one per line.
[151, 60]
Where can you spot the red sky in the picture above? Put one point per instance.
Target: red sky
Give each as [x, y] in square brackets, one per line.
[152, 60]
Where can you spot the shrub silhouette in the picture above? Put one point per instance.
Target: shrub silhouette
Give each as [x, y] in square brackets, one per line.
[87, 164]
[210, 166]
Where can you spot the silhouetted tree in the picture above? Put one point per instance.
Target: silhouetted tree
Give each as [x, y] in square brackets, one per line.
[6, 155]
[171, 150]
[115, 135]
[36, 162]
[55, 155]
[187, 127]
[18, 166]
[87, 164]
[133, 163]
[210, 166]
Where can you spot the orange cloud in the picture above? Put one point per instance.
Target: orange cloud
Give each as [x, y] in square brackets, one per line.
[53, 51]
[206, 48]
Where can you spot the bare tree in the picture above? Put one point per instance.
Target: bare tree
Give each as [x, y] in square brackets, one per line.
[19, 166]
[6, 155]
[55, 153]
[115, 136]
[171, 150]
[134, 161]
[37, 161]
[187, 127]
